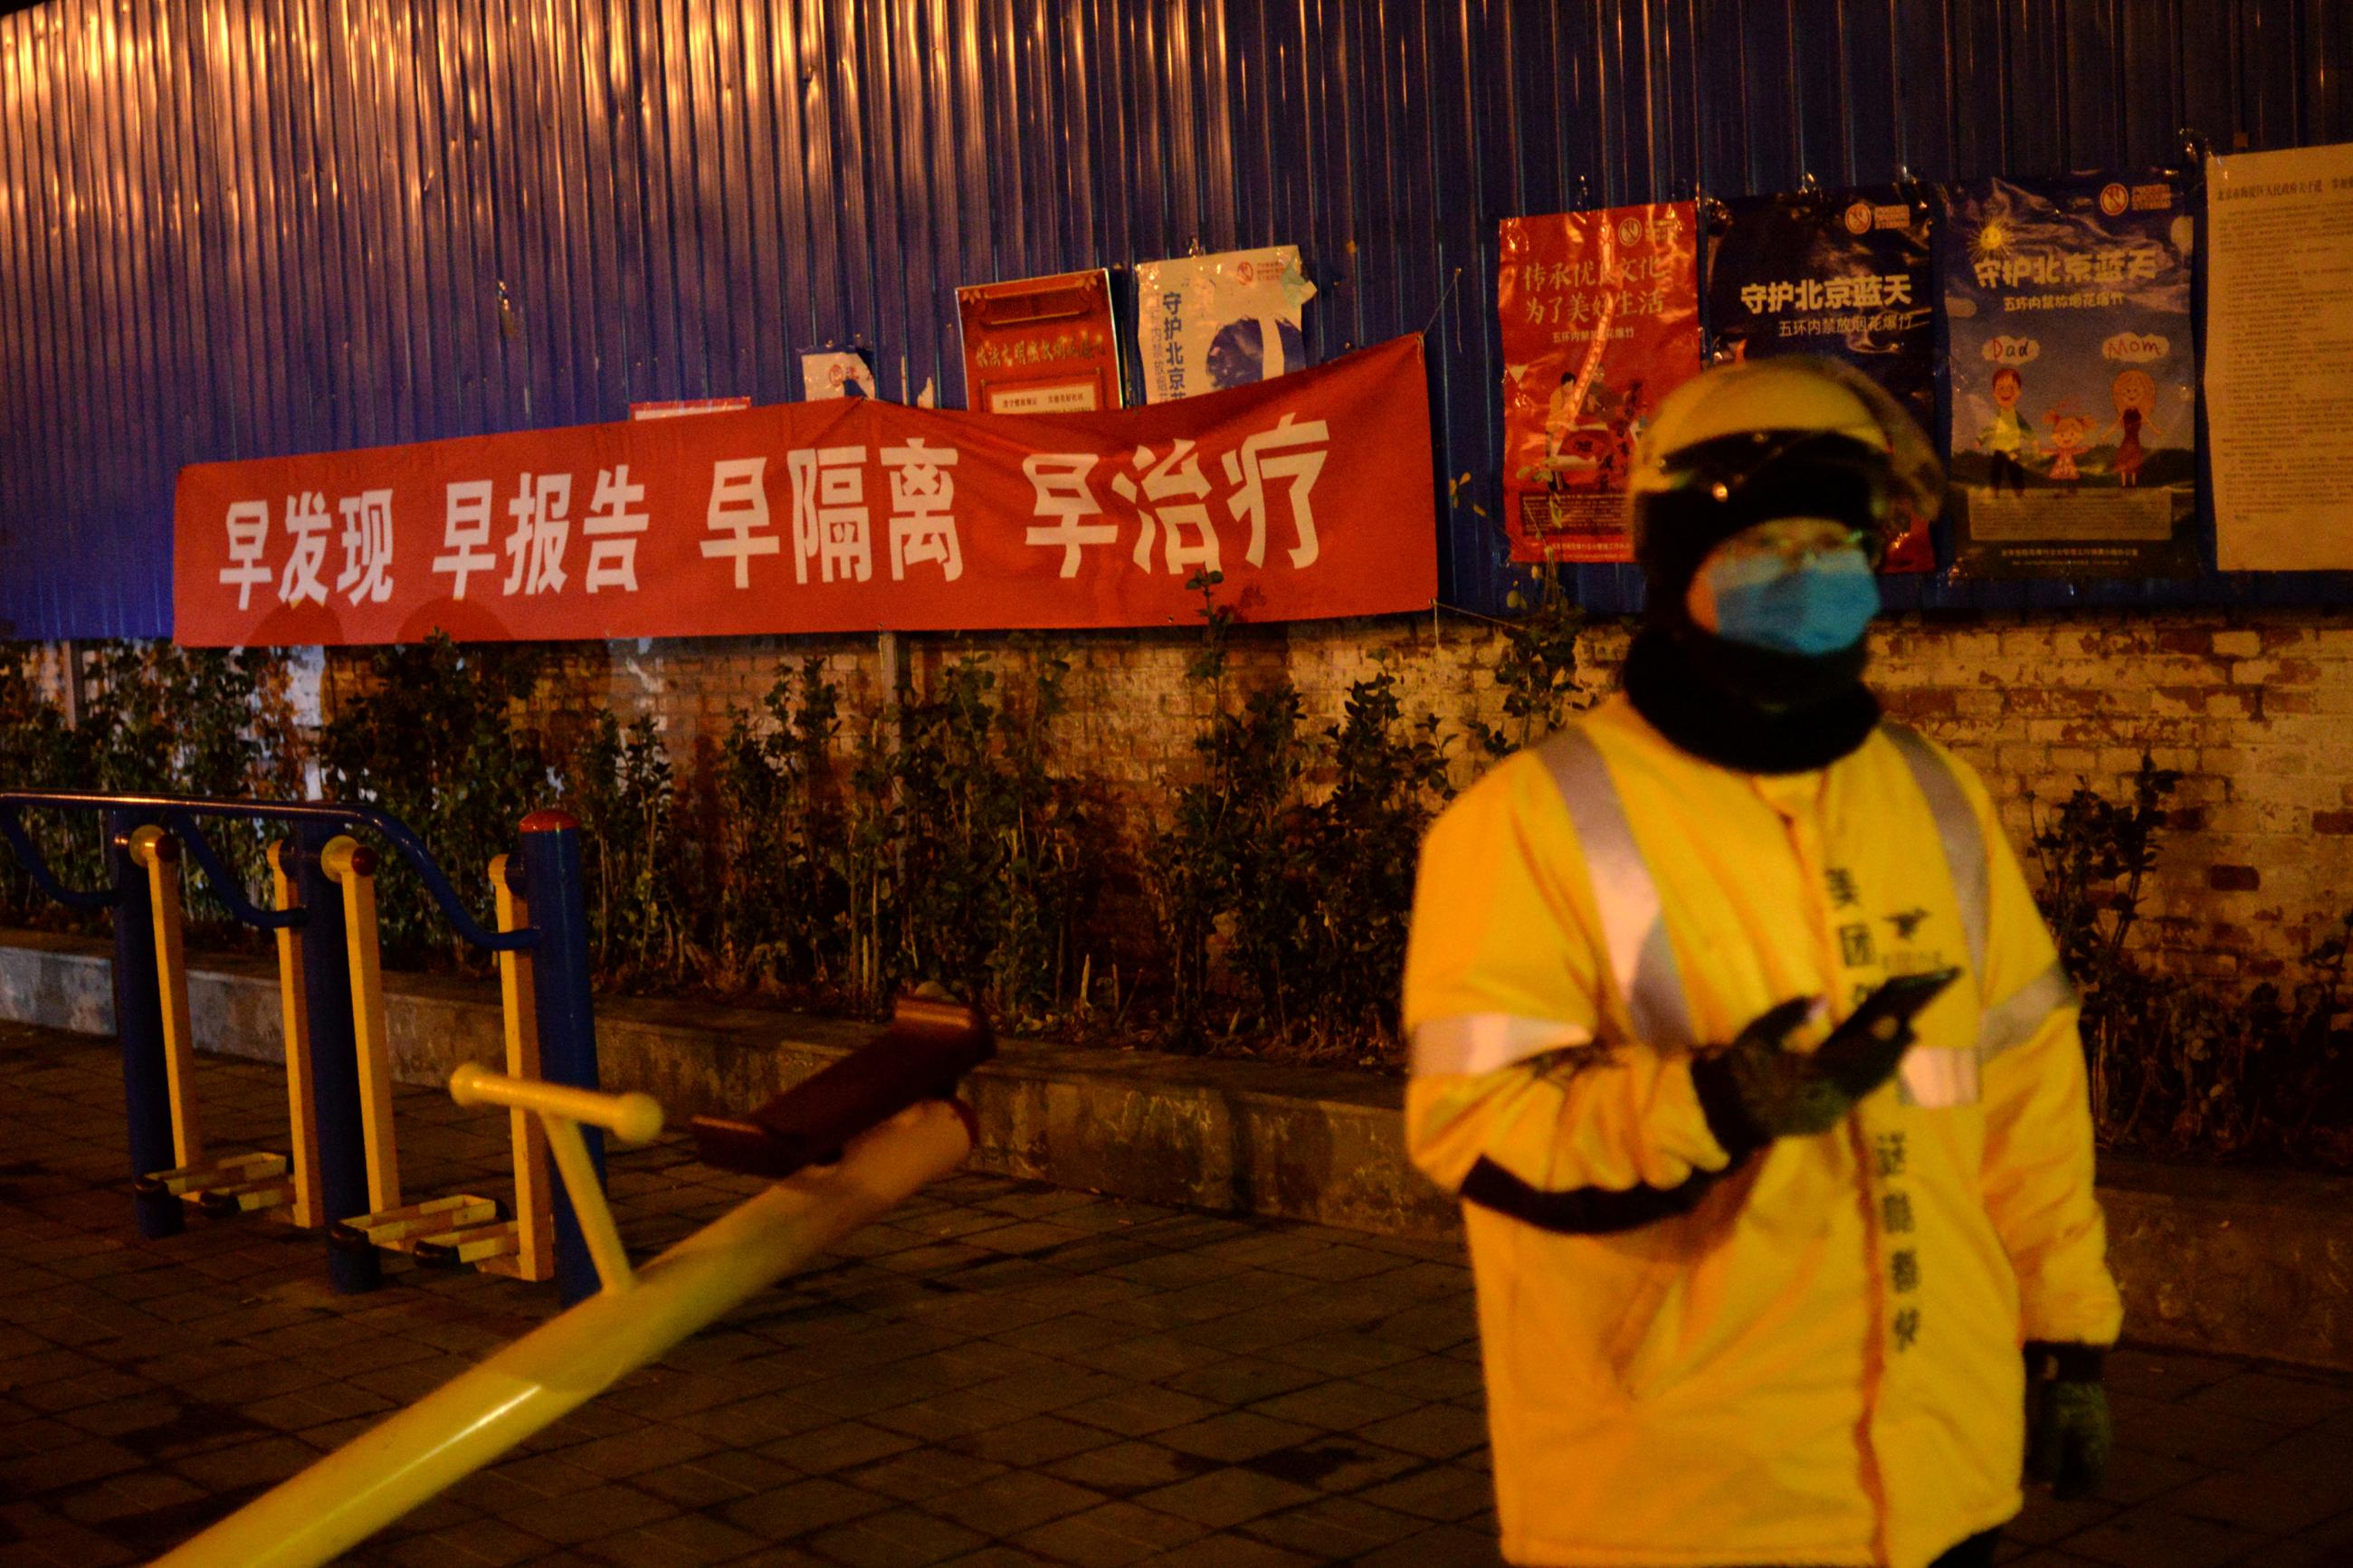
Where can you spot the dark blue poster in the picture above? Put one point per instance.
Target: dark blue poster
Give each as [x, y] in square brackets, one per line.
[1843, 274]
[2068, 330]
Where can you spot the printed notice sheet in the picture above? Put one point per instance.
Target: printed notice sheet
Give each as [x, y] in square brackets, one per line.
[2279, 358]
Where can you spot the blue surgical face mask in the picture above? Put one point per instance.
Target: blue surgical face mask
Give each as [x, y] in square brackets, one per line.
[1810, 605]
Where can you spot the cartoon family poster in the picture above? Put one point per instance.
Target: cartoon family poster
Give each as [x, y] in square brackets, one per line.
[2073, 397]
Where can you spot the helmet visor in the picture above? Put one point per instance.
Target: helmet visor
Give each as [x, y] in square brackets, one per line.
[1792, 436]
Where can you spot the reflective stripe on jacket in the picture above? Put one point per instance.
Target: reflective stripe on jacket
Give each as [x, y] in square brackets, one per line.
[1811, 1354]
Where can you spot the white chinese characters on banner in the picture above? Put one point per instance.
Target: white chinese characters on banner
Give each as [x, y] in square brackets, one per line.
[1057, 481]
[1179, 513]
[307, 525]
[1175, 488]
[248, 536]
[831, 522]
[541, 510]
[739, 509]
[1208, 322]
[838, 517]
[922, 492]
[1301, 449]
[535, 545]
[367, 575]
[612, 530]
[1170, 494]
[466, 535]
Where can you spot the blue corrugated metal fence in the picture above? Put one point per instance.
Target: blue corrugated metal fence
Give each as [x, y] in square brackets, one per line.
[232, 228]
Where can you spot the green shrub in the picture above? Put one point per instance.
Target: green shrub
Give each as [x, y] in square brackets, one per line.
[771, 829]
[1536, 668]
[1218, 860]
[1365, 840]
[974, 852]
[437, 736]
[159, 720]
[1283, 905]
[618, 784]
[39, 751]
[2179, 1066]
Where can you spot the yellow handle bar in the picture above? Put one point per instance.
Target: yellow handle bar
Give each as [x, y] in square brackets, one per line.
[633, 1118]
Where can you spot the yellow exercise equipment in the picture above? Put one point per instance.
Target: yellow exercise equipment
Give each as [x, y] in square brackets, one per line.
[463, 1227]
[872, 1113]
[284, 1186]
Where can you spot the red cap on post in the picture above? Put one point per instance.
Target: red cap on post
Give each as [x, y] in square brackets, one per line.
[550, 819]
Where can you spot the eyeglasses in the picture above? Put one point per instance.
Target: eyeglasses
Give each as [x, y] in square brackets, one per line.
[1797, 539]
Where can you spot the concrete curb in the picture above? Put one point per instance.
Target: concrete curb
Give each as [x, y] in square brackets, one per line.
[2226, 1261]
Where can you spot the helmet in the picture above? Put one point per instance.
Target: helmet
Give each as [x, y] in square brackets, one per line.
[1794, 436]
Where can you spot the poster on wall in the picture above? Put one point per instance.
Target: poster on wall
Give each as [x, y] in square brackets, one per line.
[1039, 345]
[1208, 322]
[836, 372]
[1843, 274]
[1600, 319]
[2279, 358]
[1312, 494]
[2068, 329]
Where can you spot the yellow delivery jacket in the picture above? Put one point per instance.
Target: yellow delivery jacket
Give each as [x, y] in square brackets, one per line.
[1809, 1354]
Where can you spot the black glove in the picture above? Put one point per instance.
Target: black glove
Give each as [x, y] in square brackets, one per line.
[1757, 1090]
[2067, 1427]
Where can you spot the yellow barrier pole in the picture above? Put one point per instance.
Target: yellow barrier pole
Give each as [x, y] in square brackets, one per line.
[159, 852]
[294, 1007]
[352, 864]
[534, 1204]
[479, 1414]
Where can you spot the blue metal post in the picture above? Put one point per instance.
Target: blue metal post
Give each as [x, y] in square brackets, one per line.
[567, 1017]
[139, 1025]
[334, 1065]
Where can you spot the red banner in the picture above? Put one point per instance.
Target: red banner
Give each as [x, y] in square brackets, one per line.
[1313, 493]
[1599, 314]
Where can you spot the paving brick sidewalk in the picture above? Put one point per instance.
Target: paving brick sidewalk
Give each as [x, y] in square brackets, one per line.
[999, 1372]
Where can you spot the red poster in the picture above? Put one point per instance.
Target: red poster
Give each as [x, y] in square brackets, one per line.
[1312, 493]
[1039, 345]
[1600, 319]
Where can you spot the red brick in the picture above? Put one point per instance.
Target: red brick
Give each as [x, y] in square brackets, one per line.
[2233, 879]
[2332, 822]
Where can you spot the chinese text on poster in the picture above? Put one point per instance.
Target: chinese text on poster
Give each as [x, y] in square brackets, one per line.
[2074, 435]
[1208, 322]
[1843, 274]
[1601, 318]
[1039, 345]
[2279, 358]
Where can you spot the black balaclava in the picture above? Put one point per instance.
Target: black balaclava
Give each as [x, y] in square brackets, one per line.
[1755, 709]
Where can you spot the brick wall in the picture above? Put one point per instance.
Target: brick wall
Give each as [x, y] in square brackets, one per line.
[2256, 712]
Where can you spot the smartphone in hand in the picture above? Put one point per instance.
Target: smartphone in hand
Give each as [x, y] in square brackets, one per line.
[1889, 1010]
